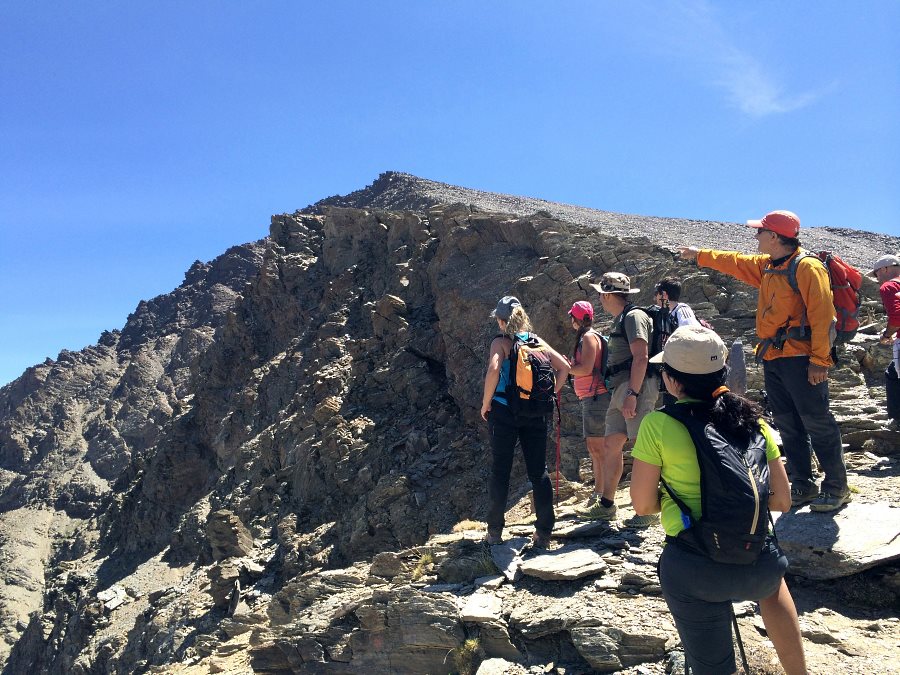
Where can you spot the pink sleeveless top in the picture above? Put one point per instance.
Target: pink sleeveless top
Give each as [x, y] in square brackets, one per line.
[592, 383]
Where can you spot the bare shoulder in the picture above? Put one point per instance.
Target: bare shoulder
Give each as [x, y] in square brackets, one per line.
[501, 343]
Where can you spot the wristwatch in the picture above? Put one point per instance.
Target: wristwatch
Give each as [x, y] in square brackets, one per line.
[632, 392]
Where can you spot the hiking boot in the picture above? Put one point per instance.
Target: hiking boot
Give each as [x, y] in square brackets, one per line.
[596, 511]
[640, 522]
[540, 541]
[803, 495]
[829, 502]
[493, 537]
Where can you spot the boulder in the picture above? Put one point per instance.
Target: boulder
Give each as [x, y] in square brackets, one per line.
[832, 545]
[565, 564]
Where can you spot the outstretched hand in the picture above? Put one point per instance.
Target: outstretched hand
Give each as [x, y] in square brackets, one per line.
[687, 252]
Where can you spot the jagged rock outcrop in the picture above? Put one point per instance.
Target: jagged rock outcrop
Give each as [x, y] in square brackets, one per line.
[309, 403]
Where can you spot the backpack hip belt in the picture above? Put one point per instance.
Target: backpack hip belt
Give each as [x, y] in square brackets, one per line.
[782, 335]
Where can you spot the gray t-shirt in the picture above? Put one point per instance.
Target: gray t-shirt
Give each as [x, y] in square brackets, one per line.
[638, 326]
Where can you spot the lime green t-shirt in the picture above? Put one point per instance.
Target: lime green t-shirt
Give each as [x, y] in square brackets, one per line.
[665, 442]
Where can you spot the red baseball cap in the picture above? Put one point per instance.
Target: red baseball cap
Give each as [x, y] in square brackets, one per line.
[582, 309]
[785, 223]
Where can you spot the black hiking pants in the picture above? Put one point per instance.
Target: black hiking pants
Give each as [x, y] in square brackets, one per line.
[531, 433]
[801, 414]
[892, 383]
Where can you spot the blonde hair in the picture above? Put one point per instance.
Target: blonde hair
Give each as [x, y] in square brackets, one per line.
[518, 322]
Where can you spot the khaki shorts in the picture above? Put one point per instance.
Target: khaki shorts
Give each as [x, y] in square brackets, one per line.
[615, 423]
[593, 415]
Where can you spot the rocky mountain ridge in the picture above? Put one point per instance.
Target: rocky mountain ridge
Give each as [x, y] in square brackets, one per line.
[307, 403]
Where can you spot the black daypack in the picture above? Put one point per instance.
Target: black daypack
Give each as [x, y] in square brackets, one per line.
[734, 493]
[663, 324]
[531, 390]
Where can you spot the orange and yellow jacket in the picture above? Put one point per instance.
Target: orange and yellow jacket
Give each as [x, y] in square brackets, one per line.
[779, 307]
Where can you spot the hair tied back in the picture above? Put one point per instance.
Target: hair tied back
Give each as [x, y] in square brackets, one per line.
[719, 391]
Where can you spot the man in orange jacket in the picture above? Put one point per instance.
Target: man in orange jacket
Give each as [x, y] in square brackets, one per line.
[796, 331]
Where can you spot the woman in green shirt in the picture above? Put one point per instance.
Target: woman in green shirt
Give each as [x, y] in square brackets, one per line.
[698, 590]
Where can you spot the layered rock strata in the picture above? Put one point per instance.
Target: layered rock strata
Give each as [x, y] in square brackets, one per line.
[301, 406]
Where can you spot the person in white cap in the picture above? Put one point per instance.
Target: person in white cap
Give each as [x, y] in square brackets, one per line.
[887, 270]
[795, 332]
[697, 589]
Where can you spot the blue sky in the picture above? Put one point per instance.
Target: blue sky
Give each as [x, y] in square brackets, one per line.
[138, 137]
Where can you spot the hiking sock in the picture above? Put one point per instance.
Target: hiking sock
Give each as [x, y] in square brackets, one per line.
[606, 502]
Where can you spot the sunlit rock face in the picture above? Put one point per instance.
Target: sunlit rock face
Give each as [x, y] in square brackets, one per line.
[308, 402]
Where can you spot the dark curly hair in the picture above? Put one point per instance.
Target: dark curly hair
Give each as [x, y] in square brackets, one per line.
[733, 416]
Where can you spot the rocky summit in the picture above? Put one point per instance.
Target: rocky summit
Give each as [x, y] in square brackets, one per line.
[280, 467]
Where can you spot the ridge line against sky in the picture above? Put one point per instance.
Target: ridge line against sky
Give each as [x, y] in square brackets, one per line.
[140, 137]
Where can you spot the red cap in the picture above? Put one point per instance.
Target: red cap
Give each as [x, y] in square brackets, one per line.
[582, 309]
[785, 223]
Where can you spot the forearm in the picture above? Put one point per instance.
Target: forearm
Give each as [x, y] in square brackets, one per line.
[746, 268]
[645, 488]
[490, 386]
[815, 289]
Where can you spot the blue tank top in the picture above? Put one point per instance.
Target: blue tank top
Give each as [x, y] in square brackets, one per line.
[504, 375]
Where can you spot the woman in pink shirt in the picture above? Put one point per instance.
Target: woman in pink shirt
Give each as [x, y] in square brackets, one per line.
[590, 387]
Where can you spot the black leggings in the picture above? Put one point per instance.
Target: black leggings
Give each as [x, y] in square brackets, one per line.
[699, 593]
[531, 433]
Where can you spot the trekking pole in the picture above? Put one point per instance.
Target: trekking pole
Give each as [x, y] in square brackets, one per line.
[740, 643]
[558, 454]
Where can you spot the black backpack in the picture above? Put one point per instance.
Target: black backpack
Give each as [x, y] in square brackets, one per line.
[734, 493]
[531, 390]
[663, 323]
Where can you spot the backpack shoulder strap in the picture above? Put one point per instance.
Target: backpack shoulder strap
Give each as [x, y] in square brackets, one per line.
[791, 270]
[629, 308]
[683, 415]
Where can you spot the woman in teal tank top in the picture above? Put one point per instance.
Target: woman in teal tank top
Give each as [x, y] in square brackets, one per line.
[506, 428]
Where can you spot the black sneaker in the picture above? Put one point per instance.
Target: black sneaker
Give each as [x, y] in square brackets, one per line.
[829, 502]
[801, 495]
[494, 537]
[540, 541]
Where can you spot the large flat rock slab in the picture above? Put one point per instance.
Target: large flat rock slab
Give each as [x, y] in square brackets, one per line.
[507, 557]
[565, 564]
[833, 545]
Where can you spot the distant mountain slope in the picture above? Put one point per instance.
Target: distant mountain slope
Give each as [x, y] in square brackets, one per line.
[401, 191]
